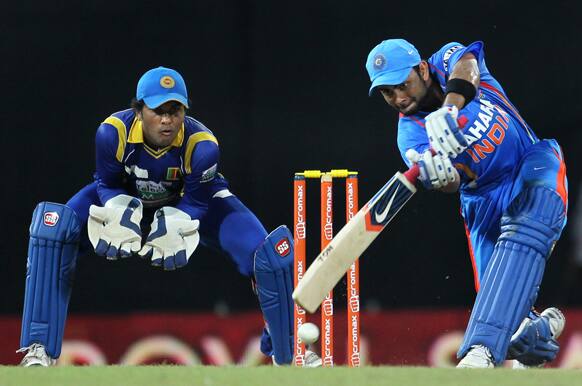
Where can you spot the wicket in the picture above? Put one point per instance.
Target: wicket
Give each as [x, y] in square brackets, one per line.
[353, 277]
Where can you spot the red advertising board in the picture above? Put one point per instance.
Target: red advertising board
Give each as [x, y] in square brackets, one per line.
[404, 337]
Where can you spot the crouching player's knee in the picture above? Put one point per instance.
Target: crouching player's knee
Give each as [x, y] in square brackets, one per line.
[274, 283]
[52, 254]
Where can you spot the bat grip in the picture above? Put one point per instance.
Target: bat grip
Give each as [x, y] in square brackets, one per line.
[412, 174]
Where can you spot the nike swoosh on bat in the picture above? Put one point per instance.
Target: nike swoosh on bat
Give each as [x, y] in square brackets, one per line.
[380, 217]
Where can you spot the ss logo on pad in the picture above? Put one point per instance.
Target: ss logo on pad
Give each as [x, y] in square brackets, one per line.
[283, 247]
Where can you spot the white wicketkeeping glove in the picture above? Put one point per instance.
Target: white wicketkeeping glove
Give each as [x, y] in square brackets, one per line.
[435, 171]
[443, 132]
[172, 239]
[114, 228]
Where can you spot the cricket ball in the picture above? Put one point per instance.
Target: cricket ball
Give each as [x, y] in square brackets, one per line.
[308, 333]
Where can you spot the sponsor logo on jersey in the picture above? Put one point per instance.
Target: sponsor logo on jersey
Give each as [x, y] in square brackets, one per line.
[173, 174]
[447, 55]
[283, 247]
[167, 82]
[151, 191]
[209, 174]
[487, 131]
[50, 219]
[137, 171]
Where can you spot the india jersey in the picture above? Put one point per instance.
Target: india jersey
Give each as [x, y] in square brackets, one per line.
[183, 174]
[497, 134]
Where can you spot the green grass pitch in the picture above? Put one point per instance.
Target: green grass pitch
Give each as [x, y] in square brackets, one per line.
[267, 375]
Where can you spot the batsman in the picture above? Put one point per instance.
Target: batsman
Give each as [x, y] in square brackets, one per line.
[458, 125]
[157, 193]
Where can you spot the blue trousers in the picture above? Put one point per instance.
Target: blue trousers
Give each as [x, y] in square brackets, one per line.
[542, 165]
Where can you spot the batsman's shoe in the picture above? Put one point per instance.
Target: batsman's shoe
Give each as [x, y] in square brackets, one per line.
[311, 359]
[36, 356]
[478, 357]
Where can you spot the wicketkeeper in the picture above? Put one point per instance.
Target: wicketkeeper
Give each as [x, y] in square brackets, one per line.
[156, 193]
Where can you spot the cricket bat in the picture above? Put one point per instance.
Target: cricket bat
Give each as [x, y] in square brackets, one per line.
[353, 239]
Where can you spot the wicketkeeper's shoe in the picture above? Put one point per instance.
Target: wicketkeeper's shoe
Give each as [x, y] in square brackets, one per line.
[36, 356]
[478, 357]
[311, 359]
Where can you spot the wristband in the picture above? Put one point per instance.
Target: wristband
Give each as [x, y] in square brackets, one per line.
[462, 87]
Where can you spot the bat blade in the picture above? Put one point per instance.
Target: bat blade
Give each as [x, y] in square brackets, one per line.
[352, 240]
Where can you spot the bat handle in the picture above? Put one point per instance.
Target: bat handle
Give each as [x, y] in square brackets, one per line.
[412, 174]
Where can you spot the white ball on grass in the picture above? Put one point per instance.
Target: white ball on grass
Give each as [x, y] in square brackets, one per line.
[308, 333]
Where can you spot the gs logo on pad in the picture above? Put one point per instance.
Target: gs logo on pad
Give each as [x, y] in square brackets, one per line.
[283, 247]
[50, 219]
[167, 82]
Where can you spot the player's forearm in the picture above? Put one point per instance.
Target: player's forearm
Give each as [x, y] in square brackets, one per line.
[107, 192]
[466, 69]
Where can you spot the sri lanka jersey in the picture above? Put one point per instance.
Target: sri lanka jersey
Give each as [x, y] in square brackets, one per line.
[184, 174]
[498, 136]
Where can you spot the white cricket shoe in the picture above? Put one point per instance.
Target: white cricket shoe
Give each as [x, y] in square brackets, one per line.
[36, 356]
[478, 357]
[557, 322]
[311, 359]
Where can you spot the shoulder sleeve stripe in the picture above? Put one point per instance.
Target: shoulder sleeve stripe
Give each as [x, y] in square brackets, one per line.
[191, 144]
[121, 133]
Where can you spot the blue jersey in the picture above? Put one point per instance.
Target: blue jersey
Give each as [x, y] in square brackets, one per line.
[497, 134]
[184, 174]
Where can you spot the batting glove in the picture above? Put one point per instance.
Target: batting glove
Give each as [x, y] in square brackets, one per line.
[533, 343]
[114, 229]
[172, 240]
[435, 171]
[443, 132]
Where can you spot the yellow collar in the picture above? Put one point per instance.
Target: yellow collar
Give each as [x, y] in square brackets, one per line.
[136, 134]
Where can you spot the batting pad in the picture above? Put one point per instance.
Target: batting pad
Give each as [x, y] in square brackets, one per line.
[510, 285]
[273, 262]
[52, 254]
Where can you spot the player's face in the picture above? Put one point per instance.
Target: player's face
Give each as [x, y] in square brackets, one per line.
[162, 124]
[407, 96]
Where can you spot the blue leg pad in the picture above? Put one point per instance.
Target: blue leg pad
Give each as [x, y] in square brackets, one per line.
[529, 229]
[273, 264]
[52, 255]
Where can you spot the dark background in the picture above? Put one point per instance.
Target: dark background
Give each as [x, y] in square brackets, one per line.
[284, 88]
